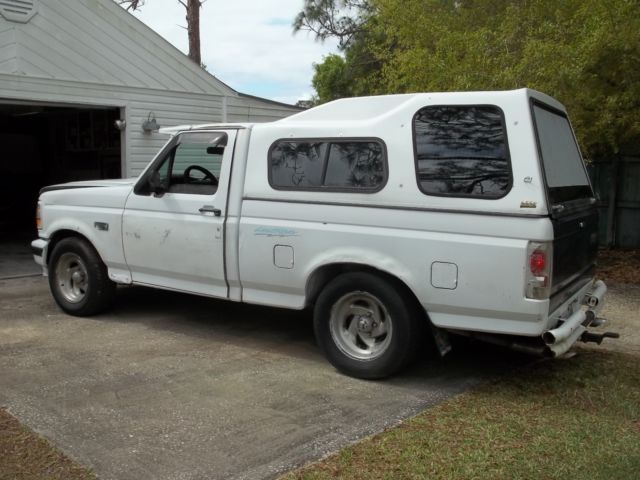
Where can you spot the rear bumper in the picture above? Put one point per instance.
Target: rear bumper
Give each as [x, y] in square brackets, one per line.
[557, 332]
[568, 290]
[569, 322]
[39, 250]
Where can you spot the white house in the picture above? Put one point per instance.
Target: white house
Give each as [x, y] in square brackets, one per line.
[68, 70]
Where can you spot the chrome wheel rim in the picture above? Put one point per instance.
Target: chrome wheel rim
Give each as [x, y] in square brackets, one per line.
[71, 277]
[361, 326]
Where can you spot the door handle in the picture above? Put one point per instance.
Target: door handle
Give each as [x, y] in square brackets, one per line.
[210, 209]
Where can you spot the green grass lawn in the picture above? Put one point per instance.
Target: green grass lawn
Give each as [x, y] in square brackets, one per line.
[568, 419]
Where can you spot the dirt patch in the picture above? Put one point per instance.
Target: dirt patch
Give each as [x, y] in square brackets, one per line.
[622, 311]
[620, 269]
[26, 455]
[619, 266]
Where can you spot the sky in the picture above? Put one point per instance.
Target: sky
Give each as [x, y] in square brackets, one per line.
[248, 44]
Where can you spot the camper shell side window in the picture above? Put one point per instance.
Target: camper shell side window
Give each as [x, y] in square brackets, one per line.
[462, 151]
[330, 165]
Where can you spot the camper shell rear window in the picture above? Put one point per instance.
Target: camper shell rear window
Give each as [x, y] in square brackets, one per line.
[564, 171]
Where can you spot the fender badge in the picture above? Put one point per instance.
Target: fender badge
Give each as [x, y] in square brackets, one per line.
[528, 204]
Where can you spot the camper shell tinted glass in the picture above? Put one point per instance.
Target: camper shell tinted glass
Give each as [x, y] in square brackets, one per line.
[565, 174]
[349, 165]
[462, 151]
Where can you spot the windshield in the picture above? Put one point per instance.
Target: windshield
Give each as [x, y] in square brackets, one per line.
[563, 166]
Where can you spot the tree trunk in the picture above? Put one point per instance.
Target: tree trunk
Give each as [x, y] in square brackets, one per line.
[193, 29]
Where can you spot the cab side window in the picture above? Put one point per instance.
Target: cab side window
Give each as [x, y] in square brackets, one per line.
[193, 165]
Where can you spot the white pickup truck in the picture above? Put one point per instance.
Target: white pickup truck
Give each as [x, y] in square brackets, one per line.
[394, 217]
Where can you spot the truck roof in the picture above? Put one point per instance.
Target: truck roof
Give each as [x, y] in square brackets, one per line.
[375, 108]
[372, 108]
[203, 126]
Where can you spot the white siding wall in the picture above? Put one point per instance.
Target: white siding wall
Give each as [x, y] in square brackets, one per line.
[7, 48]
[169, 109]
[251, 109]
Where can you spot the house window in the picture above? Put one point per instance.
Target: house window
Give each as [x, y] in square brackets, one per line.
[462, 151]
[330, 165]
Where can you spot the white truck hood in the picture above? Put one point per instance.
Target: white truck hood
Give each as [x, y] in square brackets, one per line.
[90, 193]
[116, 182]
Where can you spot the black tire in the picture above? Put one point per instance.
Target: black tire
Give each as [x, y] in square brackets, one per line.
[78, 279]
[373, 352]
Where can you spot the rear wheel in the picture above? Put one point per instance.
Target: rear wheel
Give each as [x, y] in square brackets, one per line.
[78, 279]
[367, 326]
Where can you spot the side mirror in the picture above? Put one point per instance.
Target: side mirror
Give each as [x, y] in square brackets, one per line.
[215, 150]
[155, 184]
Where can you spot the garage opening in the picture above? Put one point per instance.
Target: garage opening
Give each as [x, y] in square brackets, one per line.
[44, 145]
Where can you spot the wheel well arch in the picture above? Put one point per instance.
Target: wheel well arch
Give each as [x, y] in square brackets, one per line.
[323, 275]
[61, 235]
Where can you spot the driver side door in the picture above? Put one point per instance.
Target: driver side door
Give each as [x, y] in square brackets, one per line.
[174, 220]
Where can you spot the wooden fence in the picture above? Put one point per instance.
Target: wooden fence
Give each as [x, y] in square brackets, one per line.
[617, 184]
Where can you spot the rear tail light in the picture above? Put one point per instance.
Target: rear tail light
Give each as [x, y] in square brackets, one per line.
[538, 262]
[538, 270]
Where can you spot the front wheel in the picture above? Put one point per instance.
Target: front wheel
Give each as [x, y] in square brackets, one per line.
[78, 279]
[367, 326]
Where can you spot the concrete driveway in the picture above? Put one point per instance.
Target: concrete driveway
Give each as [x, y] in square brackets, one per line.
[171, 386]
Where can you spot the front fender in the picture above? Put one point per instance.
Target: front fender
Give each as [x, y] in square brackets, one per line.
[99, 226]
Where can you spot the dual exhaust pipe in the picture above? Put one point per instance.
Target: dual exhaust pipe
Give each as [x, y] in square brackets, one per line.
[560, 339]
[594, 298]
[556, 342]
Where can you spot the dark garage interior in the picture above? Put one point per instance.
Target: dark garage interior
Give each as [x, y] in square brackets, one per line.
[44, 145]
